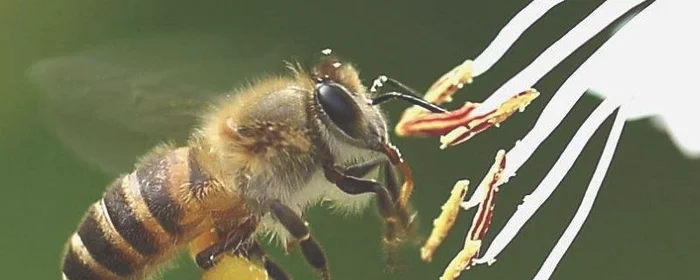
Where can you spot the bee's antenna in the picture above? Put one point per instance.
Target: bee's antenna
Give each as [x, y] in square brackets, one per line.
[411, 96]
[415, 100]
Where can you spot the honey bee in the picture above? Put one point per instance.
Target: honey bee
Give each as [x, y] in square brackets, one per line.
[253, 165]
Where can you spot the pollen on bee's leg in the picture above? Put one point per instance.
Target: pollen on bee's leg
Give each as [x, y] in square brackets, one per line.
[473, 124]
[236, 267]
[486, 191]
[444, 222]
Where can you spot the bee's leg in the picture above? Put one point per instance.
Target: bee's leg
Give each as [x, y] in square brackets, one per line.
[387, 208]
[297, 227]
[207, 258]
[232, 241]
[362, 169]
[274, 271]
[391, 182]
[249, 249]
[394, 188]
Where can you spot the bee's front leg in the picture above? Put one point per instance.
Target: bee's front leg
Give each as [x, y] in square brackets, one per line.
[385, 201]
[391, 183]
[362, 169]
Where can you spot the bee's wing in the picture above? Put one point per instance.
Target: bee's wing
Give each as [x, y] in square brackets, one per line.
[113, 103]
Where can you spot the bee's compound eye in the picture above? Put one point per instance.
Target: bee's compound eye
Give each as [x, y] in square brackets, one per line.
[340, 107]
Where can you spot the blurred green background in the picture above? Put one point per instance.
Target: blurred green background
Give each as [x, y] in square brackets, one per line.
[643, 226]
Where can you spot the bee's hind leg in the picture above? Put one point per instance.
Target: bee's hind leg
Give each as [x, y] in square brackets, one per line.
[249, 249]
[300, 231]
[223, 241]
[274, 271]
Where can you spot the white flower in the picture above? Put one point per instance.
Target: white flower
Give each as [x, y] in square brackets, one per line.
[639, 73]
[656, 58]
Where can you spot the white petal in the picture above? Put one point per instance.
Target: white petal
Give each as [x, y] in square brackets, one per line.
[656, 57]
[588, 198]
[684, 134]
[550, 182]
[510, 33]
[601, 17]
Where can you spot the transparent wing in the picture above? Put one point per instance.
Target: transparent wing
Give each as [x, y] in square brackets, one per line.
[113, 103]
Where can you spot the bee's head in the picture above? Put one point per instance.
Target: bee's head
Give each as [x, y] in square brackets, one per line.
[344, 107]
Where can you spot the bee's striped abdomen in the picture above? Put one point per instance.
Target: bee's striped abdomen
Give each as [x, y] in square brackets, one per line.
[102, 247]
[126, 222]
[146, 216]
[137, 224]
[79, 265]
[104, 244]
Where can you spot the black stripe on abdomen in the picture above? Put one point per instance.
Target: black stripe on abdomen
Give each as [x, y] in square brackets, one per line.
[126, 223]
[75, 269]
[104, 252]
[152, 177]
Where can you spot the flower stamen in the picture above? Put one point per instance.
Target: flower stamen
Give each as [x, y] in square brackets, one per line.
[480, 222]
